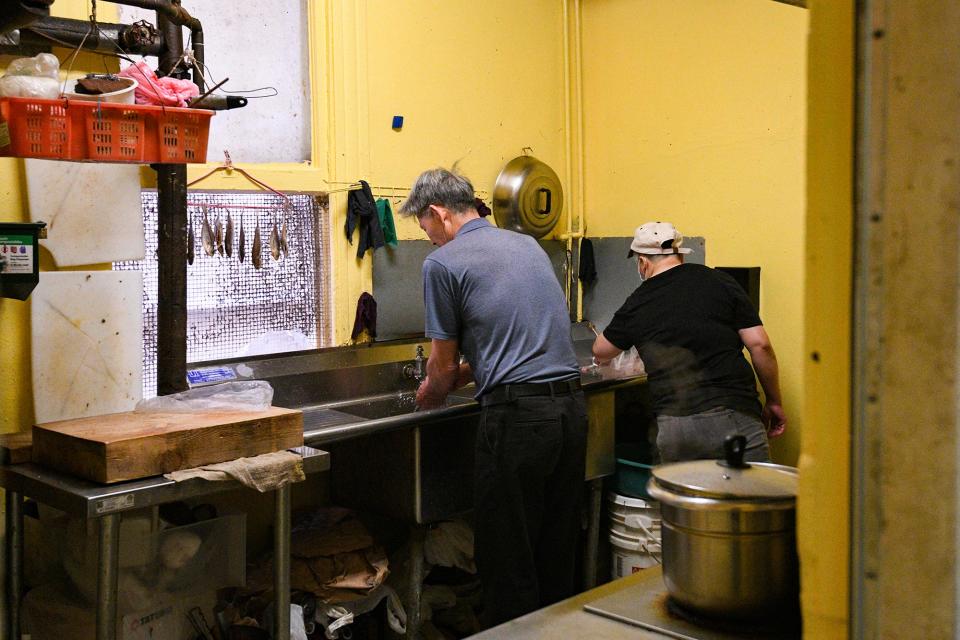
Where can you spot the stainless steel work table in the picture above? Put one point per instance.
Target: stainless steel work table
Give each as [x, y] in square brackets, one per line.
[105, 503]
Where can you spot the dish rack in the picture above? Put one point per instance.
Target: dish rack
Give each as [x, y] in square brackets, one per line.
[89, 131]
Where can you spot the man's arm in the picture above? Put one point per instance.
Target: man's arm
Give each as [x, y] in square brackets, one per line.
[604, 350]
[764, 360]
[443, 374]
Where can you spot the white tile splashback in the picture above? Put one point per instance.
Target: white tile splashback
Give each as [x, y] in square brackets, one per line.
[92, 210]
[86, 343]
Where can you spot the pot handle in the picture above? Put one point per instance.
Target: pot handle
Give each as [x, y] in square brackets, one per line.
[547, 207]
[734, 447]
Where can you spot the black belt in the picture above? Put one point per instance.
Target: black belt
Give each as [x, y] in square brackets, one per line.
[510, 392]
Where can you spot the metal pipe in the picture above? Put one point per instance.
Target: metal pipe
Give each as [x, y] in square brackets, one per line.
[172, 34]
[168, 8]
[14, 524]
[172, 278]
[107, 38]
[417, 570]
[109, 556]
[281, 565]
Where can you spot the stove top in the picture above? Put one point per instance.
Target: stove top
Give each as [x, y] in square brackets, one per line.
[647, 605]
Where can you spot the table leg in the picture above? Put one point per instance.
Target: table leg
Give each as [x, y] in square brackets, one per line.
[14, 553]
[591, 549]
[415, 581]
[109, 555]
[281, 555]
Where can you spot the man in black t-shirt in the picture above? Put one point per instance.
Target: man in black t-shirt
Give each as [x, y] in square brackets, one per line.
[690, 324]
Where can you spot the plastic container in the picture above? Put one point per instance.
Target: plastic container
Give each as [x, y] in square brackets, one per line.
[82, 130]
[634, 534]
[633, 516]
[163, 566]
[122, 96]
[631, 478]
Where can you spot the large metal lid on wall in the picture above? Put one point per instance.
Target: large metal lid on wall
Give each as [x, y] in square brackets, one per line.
[527, 197]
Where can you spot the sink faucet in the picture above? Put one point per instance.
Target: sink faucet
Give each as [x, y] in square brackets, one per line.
[418, 369]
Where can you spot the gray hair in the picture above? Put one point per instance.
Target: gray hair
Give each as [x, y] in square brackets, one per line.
[441, 187]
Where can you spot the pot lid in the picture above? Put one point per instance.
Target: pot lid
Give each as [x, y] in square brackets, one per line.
[527, 197]
[731, 478]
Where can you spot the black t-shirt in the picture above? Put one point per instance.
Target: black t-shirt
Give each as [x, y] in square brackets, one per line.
[684, 323]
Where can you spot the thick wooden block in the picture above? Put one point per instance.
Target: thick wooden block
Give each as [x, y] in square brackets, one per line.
[15, 448]
[125, 446]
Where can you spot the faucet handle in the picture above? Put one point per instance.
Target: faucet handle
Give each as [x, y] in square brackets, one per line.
[419, 350]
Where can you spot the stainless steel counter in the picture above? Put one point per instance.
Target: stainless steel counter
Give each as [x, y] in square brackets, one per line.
[105, 503]
[631, 608]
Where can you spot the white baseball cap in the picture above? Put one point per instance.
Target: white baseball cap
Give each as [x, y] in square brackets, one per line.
[657, 238]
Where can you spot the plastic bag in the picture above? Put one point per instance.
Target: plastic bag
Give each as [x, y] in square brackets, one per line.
[34, 77]
[247, 395]
[166, 91]
[29, 87]
[42, 65]
[628, 363]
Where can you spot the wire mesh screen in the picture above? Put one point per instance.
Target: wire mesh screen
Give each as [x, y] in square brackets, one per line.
[234, 308]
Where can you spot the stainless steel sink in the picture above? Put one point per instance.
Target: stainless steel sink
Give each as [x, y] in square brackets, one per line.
[394, 405]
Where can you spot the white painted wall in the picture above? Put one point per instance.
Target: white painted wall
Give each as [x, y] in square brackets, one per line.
[255, 44]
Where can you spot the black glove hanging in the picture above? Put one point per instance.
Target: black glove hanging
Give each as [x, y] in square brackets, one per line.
[362, 213]
[366, 316]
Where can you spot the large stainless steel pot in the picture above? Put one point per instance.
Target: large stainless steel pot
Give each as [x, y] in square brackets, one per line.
[527, 197]
[729, 535]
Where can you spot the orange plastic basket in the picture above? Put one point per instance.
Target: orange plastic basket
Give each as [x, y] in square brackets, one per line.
[102, 132]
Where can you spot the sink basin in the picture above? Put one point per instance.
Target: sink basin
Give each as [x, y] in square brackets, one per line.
[395, 405]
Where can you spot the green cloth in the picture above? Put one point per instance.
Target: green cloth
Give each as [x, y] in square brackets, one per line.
[385, 213]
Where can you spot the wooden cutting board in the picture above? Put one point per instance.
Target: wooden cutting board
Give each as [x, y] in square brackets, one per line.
[15, 448]
[125, 446]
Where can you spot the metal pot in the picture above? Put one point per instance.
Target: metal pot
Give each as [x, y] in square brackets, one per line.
[527, 197]
[729, 535]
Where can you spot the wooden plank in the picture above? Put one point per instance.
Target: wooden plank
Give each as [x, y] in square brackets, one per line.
[125, 446]
[15, 448]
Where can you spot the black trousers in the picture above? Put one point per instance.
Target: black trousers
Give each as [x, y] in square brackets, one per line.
[530, 457]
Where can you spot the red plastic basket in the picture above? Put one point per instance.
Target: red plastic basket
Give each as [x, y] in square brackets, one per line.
[102, 131]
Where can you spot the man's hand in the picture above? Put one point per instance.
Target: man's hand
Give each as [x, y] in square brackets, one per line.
[426, 399]
[774, 419]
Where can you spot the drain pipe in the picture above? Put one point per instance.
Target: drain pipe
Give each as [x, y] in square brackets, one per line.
[170, 11]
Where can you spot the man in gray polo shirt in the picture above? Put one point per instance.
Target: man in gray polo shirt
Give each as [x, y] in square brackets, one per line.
[491, 295]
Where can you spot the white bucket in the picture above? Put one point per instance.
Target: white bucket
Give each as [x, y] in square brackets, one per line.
[633, 516]
[122, 96]
[630, 554]
[634, 534]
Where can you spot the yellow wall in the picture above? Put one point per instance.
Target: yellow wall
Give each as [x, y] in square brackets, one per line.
[823, 525]
[476, 82]
[707, 100]
[694, 112]
[16, 398]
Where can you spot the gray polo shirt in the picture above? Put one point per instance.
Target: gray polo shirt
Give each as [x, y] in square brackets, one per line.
[494, 291]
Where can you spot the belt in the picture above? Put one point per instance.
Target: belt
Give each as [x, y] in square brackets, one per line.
[509, 392]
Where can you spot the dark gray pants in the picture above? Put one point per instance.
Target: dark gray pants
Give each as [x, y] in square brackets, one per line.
[528, 487]
[701, 435]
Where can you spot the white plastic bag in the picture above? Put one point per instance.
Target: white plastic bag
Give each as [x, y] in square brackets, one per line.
[246, 395]
[29, 87]
[34, 77]
[43, 65]
[628, 363]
